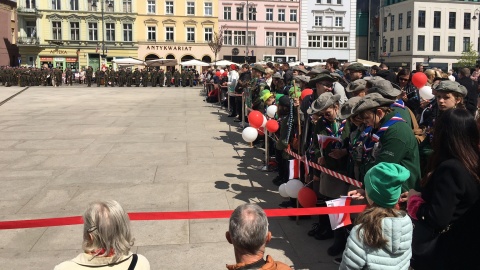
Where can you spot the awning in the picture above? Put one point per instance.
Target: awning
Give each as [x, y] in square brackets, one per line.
[161, 62]
[367, 63]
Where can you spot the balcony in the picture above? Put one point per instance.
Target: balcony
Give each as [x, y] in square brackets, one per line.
[28, 41]
[29, 12]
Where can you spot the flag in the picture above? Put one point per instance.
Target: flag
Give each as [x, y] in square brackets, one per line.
[339, 220]
[324, 140]
[294, 169]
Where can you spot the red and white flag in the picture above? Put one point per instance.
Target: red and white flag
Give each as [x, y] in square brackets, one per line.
[324, 140]
[294, 169]
[339, 220]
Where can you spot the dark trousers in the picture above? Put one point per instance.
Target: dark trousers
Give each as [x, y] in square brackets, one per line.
[283, 171]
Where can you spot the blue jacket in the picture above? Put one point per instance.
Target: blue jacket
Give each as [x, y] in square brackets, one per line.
[395, 255]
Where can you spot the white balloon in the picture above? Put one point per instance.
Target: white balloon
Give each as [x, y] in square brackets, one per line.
[293, 187]
[264, 121]
[249, 134]
[426, 92]
[282, 189]
[271, 111]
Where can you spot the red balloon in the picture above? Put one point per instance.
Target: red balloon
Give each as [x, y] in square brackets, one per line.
[272, 125]
[307, 197]
[419, 79]
[255, 119]
[218, 73]
[306, 92]
[260, 131]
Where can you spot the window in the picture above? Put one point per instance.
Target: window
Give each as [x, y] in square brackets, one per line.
[281, 39]
[409, 43]
[90, 5]
[421, 43]
[252, 14]
[409, 19]
[421, 18]
[151, 33]
[327, 41]
[466, 20]
[341, 42]
[292, 39]
[238, 37]
[281, 15]
[384, 45]
[74, 30]
[227, 13]
[31, 29]
[318, 20]
[151, 9]
[30, 4]
[57, 30]
[339, 2]
[208, 9]
[127, 5]
[169, 7]
[107, 4]
[127, 32]
[269, 15]
[399, 44]
[208, 34]
[385, 24]
[227, 37]
[56, 4]
[392, 23]
[269, 39]
[110, 31]
[239, 13]
[169, 33]
[293, 15]
[190, 34]
[73, 4]
[338, 21]
[400, 21]
[190, 8]
[391, 44]
[251, 38]
[452, 20]
[92, 31]
[451, 43]
[437, 17]
[314, 41]
[466, 44]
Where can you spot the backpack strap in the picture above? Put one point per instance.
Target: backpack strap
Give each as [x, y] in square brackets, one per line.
[134, 262]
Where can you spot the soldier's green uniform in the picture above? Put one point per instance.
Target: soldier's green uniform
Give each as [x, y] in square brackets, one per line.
[190, 76]
[129, 75]
[136, 77]
[89, 75]
[176, 77]
[58, 77]
[153, 77]
[184, 78]
[144, 74]
[161, 78]
[68, 77]
[98, 76]
[168, 76]
[122, 77]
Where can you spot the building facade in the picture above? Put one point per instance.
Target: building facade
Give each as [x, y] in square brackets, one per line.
[76, 33]
[9, 54]
[434, 33]
[328, 29]
[176, 29]
[260, 30]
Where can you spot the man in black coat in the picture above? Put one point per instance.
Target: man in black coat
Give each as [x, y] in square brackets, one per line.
[288, 74]
[471, 98]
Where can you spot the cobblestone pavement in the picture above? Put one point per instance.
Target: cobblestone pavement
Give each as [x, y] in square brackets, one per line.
[151, 149]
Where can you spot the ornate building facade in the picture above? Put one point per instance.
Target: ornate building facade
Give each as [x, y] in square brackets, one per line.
[9, 54]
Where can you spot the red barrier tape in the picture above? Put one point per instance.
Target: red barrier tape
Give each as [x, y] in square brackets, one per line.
[76, 220]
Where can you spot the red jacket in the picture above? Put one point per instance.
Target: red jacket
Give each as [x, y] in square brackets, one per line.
[270, 264]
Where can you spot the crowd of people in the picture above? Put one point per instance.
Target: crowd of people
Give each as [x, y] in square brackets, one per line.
[413, 154]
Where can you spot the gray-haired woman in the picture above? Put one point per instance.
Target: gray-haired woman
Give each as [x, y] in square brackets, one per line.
[107, 240]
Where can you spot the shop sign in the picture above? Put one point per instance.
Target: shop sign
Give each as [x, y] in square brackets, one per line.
[46, 59]
[169, 48]
[280, 51]
[58, 52]
[71, 59]
[59, 59]
[280, 59]
[235, 51]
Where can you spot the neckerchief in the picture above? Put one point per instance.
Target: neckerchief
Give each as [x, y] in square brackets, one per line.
[398, 103]
[333, 131]
[371, 139]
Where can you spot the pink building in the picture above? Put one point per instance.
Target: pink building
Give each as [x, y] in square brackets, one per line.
[8, 33]
[272, 27]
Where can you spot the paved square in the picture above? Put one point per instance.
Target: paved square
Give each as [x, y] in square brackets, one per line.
[151, 149]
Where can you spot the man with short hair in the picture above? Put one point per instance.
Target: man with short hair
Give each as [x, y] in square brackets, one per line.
[471, 98]
[288, 74]
[248, 233]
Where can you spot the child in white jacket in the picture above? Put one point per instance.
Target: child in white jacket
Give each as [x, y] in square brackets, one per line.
[382, 238]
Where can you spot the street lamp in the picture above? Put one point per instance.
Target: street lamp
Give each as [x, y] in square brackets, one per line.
[110, 5]
[254, 11]
[474, 18]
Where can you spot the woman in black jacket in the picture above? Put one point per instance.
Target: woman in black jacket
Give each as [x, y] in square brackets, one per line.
[450, 191]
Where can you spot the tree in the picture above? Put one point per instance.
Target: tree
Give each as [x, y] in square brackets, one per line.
[217, 42]
[469, 57]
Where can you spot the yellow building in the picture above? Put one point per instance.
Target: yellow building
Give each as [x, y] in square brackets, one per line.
[76, 33]
[176, 29]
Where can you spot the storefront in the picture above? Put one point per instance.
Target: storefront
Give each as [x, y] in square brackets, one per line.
[58, 58]
[257, 54]
[180, 52]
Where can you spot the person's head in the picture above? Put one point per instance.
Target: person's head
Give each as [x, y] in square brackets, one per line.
[245, 68]
[248, 229]
[284, 105]
[106, 230]
[450, 95]
[372, 109]
[419, 67]
[456, 136]
[432, 75]
[322, 83]
[346, 111]
[384, 88]
[383, 66]
[357, 88]
[403, 77]
[331, 64]
[374, 69]
[326, 105]
[268, 73]
[278, 81]
[464, 72]
[356, 71]
[258, 71]
[285, 66]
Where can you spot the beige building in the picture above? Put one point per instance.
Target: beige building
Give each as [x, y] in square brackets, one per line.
[176, 29]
